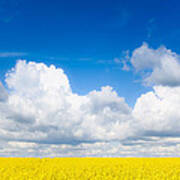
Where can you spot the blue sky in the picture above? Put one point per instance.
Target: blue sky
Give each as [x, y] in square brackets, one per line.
[76, 35]
[89, 78]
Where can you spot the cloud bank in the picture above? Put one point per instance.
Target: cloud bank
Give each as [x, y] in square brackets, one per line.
[41, 108]
[41, 116]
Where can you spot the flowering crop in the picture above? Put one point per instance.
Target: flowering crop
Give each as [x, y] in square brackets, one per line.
[89, 168]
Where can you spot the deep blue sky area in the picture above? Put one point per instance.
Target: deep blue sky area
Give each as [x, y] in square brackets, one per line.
[84, 37]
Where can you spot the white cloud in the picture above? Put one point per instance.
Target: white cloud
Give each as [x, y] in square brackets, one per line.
[41, 116]
[160, 147]
[160, 66]
[157, 112]
[41, 108]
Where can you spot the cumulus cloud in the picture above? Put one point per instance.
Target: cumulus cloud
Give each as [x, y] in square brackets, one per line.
[41, 116]
[41, 108]
[157, 111]
[160, 66]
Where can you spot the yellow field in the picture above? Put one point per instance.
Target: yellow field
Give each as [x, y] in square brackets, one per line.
[89, 168]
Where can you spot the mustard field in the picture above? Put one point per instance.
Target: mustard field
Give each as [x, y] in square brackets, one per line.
[89, 168]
